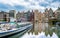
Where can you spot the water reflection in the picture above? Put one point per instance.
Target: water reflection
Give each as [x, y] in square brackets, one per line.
[38, 27]
[45, 27]
[40, 35]
[41, 30]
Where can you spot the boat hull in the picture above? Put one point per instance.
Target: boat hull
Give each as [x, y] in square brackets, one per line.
[4, 34]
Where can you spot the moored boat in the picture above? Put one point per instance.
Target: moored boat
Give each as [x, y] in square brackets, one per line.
[13, 28]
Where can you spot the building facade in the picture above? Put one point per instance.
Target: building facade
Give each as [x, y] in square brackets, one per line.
[28, 16]
[4, 16]
[12, 13]
[57, 13]
[50, 13]
[21, 16]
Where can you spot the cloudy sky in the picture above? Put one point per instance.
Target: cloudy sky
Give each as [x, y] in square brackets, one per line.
[28, 4]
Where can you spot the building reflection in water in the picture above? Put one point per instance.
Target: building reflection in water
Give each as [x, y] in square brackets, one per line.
[39, 27]
[45, 27]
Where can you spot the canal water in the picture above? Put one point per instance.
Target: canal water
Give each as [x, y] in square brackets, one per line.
[39, 30]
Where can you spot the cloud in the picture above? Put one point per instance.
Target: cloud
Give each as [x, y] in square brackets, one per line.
[55, 4]
[29, 4]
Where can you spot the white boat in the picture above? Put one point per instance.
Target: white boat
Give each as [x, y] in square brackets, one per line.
[14, 30]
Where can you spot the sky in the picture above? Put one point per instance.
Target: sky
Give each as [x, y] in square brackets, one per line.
[20, 5]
